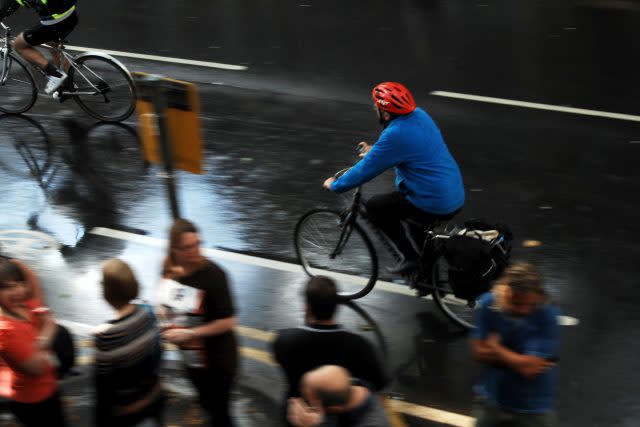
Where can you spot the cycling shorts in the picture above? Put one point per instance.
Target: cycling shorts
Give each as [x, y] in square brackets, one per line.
[40, 34]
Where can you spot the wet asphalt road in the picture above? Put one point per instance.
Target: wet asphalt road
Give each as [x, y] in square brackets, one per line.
[274, 132]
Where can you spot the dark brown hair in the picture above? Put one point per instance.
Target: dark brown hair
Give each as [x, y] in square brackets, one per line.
[9, 272]
[119, 283]
[321, 294]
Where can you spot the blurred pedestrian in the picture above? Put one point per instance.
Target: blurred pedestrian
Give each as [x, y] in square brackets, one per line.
[322, 341]
[331, 400]
[199, 315]
[33, 287]
[516, 338]
[128, 355]
[27, 330]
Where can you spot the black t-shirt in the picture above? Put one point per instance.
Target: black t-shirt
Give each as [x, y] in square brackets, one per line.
[221, 350]
[299, 350]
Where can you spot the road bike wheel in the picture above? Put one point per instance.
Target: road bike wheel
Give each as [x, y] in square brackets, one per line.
[105, 89]
[318, 234]
[18, 93]
[458, 310]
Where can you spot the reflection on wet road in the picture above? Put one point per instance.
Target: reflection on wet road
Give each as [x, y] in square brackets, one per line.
[274, 132]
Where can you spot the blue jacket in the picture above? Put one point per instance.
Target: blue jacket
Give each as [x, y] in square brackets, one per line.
[426, 173]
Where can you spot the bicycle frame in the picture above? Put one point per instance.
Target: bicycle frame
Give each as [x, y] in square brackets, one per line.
[347, 223]
[355, 210]
[63, 55]
[6, 49]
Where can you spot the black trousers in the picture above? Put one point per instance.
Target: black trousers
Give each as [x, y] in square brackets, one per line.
[46, 413]
[387, 211]
[214, 391]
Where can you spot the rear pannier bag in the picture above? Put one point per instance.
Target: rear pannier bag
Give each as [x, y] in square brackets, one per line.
[477, 255]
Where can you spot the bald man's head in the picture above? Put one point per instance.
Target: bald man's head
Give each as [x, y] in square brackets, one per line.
[330, 385]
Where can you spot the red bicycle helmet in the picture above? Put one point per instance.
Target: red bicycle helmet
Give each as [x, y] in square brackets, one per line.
[394, 98]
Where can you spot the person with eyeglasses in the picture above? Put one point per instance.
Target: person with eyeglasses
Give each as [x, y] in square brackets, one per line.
[196, 305]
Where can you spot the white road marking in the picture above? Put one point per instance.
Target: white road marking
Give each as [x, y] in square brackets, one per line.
[432, 414]
[182, 61]
[16, 249]
[278, 265]
[253, 260]
[81, 329]
[567, 321]
[26, 244]
[537, 106]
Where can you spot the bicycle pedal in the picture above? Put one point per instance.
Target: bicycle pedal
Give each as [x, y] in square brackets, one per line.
[59, 97]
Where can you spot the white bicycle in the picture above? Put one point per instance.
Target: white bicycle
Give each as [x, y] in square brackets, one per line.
[99, 83]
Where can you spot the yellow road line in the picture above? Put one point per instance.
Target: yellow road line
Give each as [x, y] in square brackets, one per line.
[258, 355]
[432, 414]
[395, 419]
[256, 334]
[394, 407]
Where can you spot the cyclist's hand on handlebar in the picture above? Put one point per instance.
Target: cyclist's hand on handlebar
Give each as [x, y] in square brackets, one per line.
[327, 183]
[363, 149]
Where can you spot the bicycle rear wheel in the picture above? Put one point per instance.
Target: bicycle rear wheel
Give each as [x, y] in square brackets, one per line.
[102, 88]
[354, 265]
[460, 311]
[18, 93]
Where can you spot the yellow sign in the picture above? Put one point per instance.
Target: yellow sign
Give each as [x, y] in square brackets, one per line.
[182, 110]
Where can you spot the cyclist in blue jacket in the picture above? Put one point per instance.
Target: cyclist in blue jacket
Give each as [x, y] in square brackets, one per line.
[58, 18]
[428, 180]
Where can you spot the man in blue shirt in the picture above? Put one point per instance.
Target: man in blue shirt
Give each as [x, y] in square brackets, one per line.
[428, 180]
[516, 337]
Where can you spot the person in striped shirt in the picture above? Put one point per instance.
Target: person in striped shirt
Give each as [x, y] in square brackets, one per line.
[128, 355]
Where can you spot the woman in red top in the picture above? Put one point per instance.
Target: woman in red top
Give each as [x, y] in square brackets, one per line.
[26, 331]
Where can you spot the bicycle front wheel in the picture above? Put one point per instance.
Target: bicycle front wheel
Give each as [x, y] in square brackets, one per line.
[18, 92]
[460, 311]
[102, 88]
[326, 247]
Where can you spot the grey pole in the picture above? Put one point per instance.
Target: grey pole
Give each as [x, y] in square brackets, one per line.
[160, 105]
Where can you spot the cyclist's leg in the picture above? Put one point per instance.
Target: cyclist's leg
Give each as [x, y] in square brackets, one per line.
[386, 212]
[26, 41]
[26, 48]
[63, 30]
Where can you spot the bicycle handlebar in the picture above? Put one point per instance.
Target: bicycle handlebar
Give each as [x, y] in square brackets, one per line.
[4, 27]
[359, 149]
